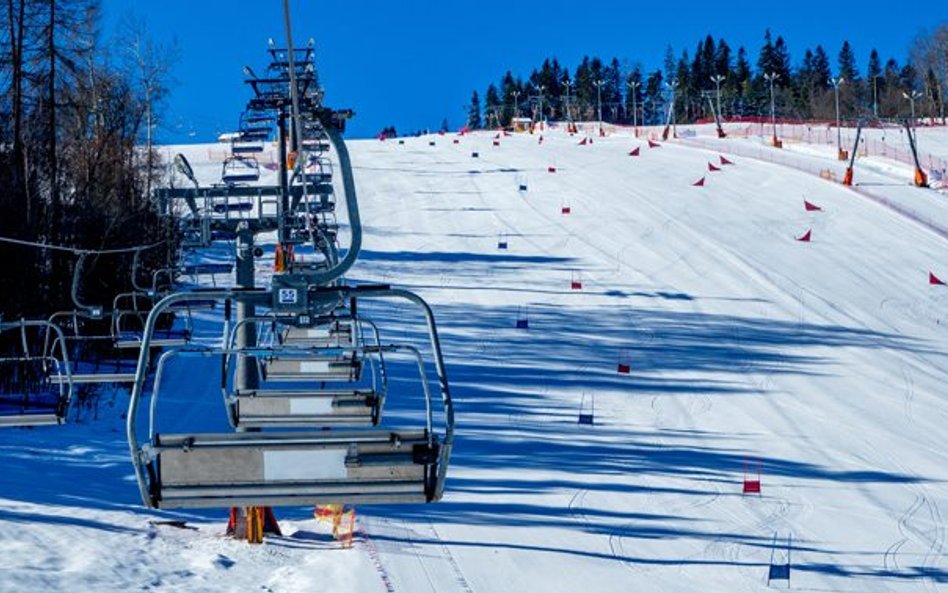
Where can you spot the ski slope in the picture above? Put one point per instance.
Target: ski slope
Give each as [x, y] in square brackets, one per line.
[821, 363]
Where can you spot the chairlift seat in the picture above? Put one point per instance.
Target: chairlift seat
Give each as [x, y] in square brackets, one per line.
[246, 147]
[314, 408]
[240, 177]
[233, 207]
[315, 145]
[292, 469]
[29, 417]
[95, 378]
[336, 335]
[313, 369]
[207, 268]
[131, 340]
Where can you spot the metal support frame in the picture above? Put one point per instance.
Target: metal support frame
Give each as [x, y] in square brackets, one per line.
[142, 455]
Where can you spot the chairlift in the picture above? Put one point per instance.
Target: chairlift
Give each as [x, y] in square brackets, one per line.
[240, 169]
[308, 404]
[277, 468]
[35, 383]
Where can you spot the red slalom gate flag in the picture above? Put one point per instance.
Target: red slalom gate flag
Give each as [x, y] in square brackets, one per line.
[806, 237]
[724, 161]
[712, 168]
[699, 183]
[634, 151]
[935, 280]
[653, 144]
[809, 207]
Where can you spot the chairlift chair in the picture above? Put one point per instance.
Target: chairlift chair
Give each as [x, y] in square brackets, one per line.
[276, 468]
[29, 395]
[89, 340]
[313, 405]
[240, 169]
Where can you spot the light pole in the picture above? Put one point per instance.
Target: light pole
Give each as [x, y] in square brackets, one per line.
[633, 88]
[541, 88]
[875, 96]
[516, 94]
[673, 86]
[770, 78]
[839, 143]
[599, 84]
[717, 79]
[911, 96]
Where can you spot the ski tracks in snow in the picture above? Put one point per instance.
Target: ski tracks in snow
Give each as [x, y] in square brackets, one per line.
[435, 568]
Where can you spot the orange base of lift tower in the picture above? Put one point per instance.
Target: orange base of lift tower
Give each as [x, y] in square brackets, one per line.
[921, 180]
[848, 177]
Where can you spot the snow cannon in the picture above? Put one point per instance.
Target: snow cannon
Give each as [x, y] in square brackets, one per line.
[921, 179]
[848, 176]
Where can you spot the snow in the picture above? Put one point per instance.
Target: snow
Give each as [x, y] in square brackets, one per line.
[824, 362]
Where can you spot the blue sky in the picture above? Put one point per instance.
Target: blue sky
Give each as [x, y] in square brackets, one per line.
[411, 64]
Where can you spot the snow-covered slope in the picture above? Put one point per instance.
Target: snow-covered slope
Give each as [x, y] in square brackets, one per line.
[821, 363]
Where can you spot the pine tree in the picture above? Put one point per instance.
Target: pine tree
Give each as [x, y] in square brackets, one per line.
[851, 92]
[611, 90]
[474, 112]
[722, 59]
[781, 63]
[654, 104]
[507, 88]
[847, 63]
[875, 79]
[766, 60]
[582, 83]
[741, 82]
[821, 68]
[492, 107]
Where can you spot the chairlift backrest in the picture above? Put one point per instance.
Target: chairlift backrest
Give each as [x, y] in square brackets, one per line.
[273, 468]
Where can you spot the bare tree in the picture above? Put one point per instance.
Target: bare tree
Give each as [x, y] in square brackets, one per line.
[149, 64]
[929, 53]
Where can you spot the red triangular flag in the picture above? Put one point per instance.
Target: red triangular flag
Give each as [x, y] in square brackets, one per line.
[634, 152]
[935, 280]
[712, 168]
[724, 161]
[811, 207]
[699, 183]
[583, 142]
[806, 237]
[551, 169]
[653, 144]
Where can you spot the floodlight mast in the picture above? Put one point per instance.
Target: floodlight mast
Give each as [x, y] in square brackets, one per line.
[599, 84]
[839, 142]
[633, 88]
[770, 78]
[912, 95]
[717, 79]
